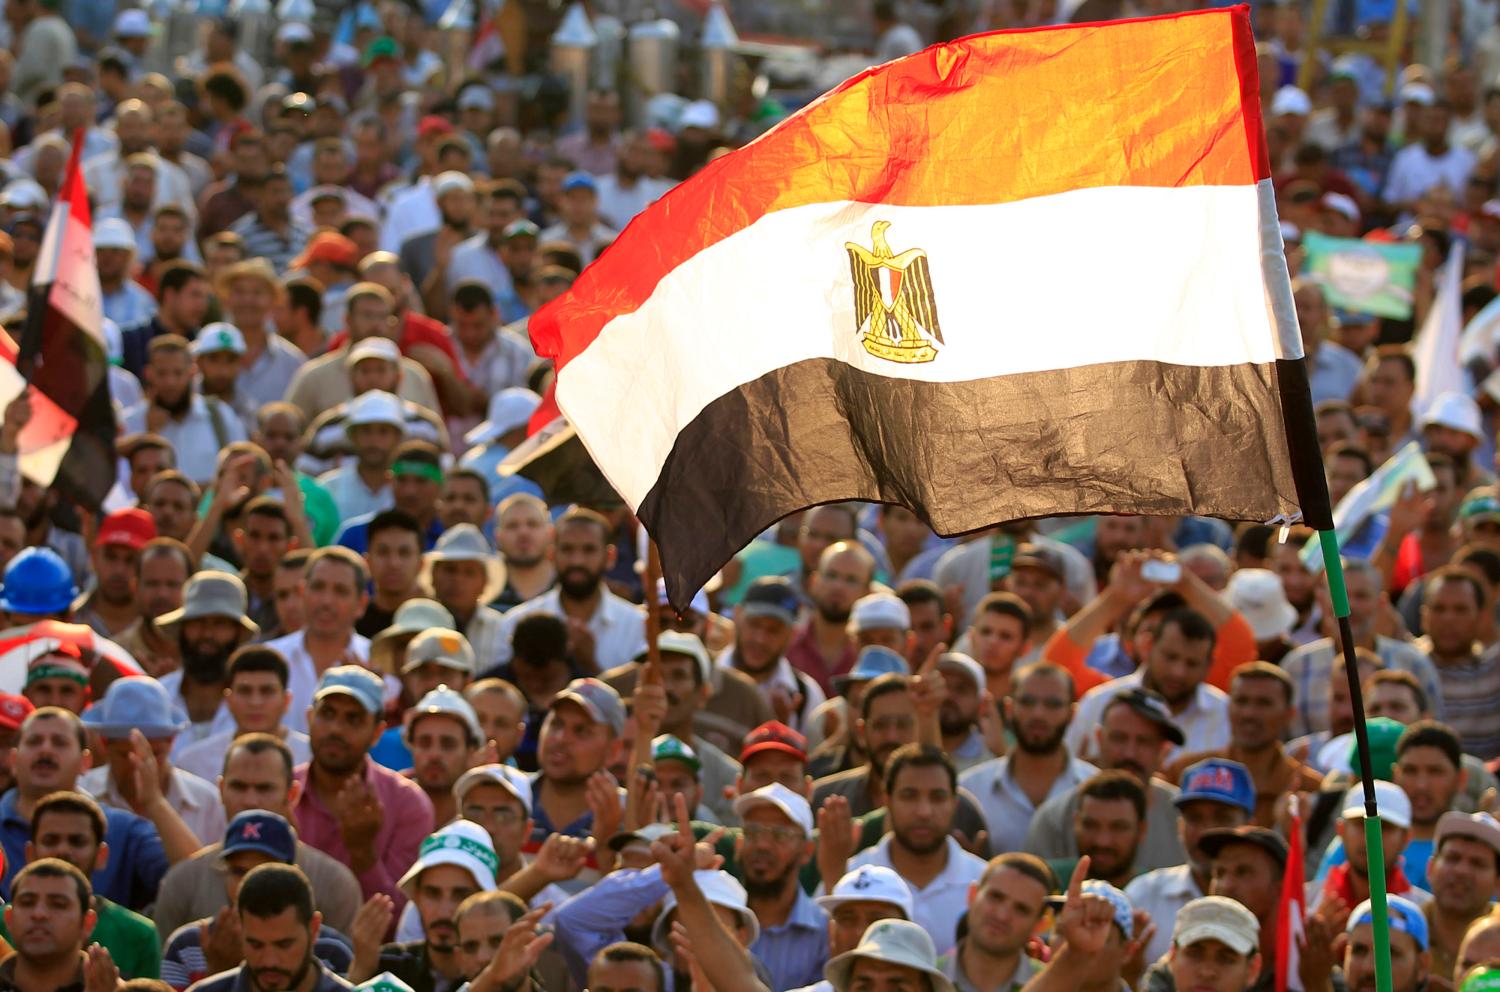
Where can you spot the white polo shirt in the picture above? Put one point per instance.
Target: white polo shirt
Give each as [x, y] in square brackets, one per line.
[1204, 722]
[619, 628]
[944, 900]
[302, 675]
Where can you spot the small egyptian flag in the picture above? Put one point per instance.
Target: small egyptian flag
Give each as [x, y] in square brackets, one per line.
[1022, 274]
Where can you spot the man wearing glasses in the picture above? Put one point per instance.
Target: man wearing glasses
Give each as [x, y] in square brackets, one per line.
[775, 842]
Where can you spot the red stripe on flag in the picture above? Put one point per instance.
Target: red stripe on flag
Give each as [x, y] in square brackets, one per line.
[993, 118]
[1290, 921]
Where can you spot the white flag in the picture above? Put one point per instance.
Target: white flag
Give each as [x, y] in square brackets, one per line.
[1436, 348]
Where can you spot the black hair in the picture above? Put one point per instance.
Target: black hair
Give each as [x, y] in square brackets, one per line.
[271, 889]
[918, 755]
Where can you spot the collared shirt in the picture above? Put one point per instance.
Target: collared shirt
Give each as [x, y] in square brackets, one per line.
[277, 247]
[619, 204]
[618, 628]
[486, 631]
[195, 800]
[1311, 669]
[795, 951]
[130, 877]
[410, 962]
[129, 305]
[944, 899]
[475, 259]
[1471, 698]
[303, 674]
[238, 980]
[952, 966]
[504, 362]
[205, 758]
[219, 723]
[352, 496]
[1051, 836]
[265, 379]
[1204, 721]
[406, 820]
[195, 439]
[590, 245]
[1008, 811]
[1161, 893]
[596, 917]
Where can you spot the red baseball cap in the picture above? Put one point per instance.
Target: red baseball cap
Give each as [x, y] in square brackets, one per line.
[433, 125]
[132, 528]
[331, 247]
[13, 710]
[774, 736]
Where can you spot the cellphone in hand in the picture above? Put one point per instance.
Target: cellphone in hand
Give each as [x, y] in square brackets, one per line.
[1165, 572]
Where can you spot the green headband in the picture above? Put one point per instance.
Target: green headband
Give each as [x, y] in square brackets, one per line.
[429, 472]
[56, 672]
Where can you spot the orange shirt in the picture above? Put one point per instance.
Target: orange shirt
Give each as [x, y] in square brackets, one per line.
[1234, 645]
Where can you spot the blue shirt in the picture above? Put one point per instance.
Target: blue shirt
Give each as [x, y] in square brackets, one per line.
[355, 534]
[596, 917]
[137, 860]
[795, 951]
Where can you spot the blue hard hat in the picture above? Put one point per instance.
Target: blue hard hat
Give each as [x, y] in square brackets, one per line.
[37, 582]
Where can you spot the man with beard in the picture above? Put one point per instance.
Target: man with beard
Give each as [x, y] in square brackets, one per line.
[959, 718]
[1463, 873]
[762, 630]
[216, 355]
[111, 608]
[162, 571]
[262, 537]
[133, 708]
[1216, 794]
[351, 808]
[182, 298]
[279, 929]
[603, 630]
[922, 791]
[774, 844]
[176, 411]
[256, 698]
[524, 536]
[123, 299]
[1177, 662]
[443, 733]
[208, 627]
[1011, 788]
[1108, 828]
[455, 863]
[1260, 710]
[1005, 908]
[51, 919]
[171, 226]
[464, 574]
[628, 190]
[425, 256]
[580, 737]
[823, 647]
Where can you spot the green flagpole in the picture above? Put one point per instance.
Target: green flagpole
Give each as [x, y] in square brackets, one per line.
[1333, 568]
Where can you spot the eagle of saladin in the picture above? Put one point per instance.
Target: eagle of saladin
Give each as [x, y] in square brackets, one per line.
[894, 307]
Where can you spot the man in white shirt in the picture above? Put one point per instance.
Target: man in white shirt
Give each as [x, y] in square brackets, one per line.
[142, 704]
[604, 631]
[628, 190]
[376, 425]
[921, 789]
[1175, 667]
[1428, 161]
[256, 700]
[197, 428]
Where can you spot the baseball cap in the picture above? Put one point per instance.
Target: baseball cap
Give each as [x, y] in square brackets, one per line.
[522, 228]
[700, 114]
[381, 48]
[1041, 558]
[445, 647]
[462, 843]
[14, 710]
[1404, 916]
[771, 596]
[356, 681]
[112, 232]
[1290, 100]
[512, 780]
[669, 747]
[375, 407]
[328, 246]
[132, 527]
[1217, 918]
[432, 126]
[1481, 827]
[721, 889]
[476, 98]
[898, 942]
[873, 661]
[598, 699]
[1482, 505]
[450, 182]
[1384, 733]
[679, 642]
[133, 23]
[263, 831]
[374, 347]
[138, 702]
[580, 180]
[383, 982]
[958, 661]
[869, 883]
[510, 408]
[1342, 204]
[1214, 841]
[1218, 780]
[793, 806]
[1258, 596]
[1456, 411]
[773, 735]
[1419, 93]
[879, 611]
[294, 33]
[1152, 707]
[1394, 806]
[444, 701]
[218, 336]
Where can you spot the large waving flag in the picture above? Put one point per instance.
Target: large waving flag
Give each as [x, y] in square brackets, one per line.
[70, 440]
[1020, 274]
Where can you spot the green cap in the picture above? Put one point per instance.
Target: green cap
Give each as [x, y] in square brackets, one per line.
[1481, 505]
[384, 47]
[669, 748]
[1384, 733]
[384, 982]
[1482, 980]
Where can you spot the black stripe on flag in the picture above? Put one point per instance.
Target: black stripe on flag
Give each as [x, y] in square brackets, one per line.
[1131, 437]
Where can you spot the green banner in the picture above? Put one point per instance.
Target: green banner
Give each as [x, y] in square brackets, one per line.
[1369, 277]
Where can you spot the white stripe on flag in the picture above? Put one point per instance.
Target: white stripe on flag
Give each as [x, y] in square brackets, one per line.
[1436, 350]
[1373, 495]
[75, 291]
[1134, 273]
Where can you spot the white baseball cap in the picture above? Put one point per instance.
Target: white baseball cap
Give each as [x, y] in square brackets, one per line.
[792, 805]
[1217, 918]
[444, 701]
[959, 661]
[1290, 100]
[721, 889]
[1456, 411]
[375, 407]
[678, 642]
[879, 611]
[294, 33]
[512, 780]
[451, 181]
[510, 408]
[374, 347]
[869, 883]
[462, 843]
[112, 232]
[218, 336]
[1258, 596]
[132, 23]
[1419, 93]
[1395, 807]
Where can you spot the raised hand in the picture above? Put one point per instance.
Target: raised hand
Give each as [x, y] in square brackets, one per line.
[677, 853]
[1085, 919]
[100, 974]
[603, 795]
[838, 838]
[649, 709]
[220, 940]
[145, 772]
[517, 955]
[562, 857]
[371, 923]
[357, 809]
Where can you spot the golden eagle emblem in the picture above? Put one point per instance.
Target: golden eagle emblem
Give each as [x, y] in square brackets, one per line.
[893, 296]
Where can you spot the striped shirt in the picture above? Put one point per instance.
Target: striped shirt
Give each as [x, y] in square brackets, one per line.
[795, 951]
[277, 247]
[183, 962]
[1471, 698]
[1311, 669]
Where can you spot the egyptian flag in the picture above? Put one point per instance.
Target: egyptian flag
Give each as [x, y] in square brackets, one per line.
[70, 440]
[1291, 931]
[1022, 274]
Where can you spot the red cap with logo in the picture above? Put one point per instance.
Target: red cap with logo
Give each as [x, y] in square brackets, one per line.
[132, 528]
[13, 710]
[774, 736]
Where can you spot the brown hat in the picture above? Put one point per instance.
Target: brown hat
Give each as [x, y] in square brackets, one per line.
[1475, 826]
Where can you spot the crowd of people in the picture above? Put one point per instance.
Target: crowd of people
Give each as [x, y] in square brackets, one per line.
[320, 698]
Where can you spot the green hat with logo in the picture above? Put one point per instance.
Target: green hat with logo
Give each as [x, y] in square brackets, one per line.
[1482, 505]
[1481, 980]
[670, 748]
[384, 982]
[384, 47]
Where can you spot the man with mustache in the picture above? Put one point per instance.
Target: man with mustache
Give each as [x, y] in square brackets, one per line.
[1463, 872]
[604, 631]
[824, 646]
[278, 928]
[161, 573]
[208, 627]
[1107, 829]
[110, 608]
[1135, 736]
[333, 596]
[50, 920]
[443, 733]
[196, 429]
[455, 863]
